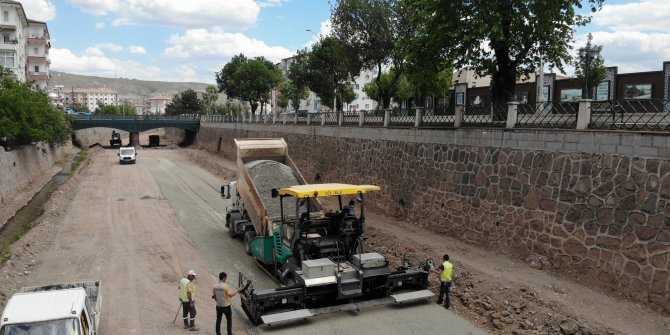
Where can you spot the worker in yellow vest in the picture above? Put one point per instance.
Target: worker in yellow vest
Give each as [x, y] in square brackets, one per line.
[445, 271]
[187, 298]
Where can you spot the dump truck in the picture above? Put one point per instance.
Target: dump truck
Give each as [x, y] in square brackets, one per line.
[54, 309]
[316, 255]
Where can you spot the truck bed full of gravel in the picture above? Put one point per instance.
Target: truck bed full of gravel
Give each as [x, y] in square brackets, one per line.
[266, 175]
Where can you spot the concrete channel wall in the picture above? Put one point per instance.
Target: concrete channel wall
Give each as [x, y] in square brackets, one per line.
[23, 165]
[593, 202]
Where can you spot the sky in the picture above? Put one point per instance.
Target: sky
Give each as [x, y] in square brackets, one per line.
[190, 40]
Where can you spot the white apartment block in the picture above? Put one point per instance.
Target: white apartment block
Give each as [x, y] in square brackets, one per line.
[13, 24]
[38, 54]
[92, 97]
[24, 45]
[157, 104]
[362, 101]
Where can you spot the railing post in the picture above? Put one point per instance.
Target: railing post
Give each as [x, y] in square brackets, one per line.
[309, 118]
[283, 119]
[295, 118]
[340, 119]
[458, 116]
[512, 111]
[361, 119]
[323, 119]
[584, 114]
[387, 118]
[418, 117]
[274, 118]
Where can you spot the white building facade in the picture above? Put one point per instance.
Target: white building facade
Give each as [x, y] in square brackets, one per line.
[13, 24]
[92, 97]
[24, 45]
[38, 61]
[157, 104]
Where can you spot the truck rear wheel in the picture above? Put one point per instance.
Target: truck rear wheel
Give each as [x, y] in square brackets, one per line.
[230, 222]
[248, 236]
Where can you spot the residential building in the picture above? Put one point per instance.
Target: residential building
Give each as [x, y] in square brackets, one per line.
[39, 44]
[157, 104]
[92, 97]
[362, 101]
[13, 24]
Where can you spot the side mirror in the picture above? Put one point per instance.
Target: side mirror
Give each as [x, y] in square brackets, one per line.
[118, 154]
[225, 194]
[275, 193]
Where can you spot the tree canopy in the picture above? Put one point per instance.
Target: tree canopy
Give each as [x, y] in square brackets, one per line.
[326, 69]
[124, 109]
[186, 102]
[249, 80]
[291, 93]
[500, 38]
[372, 31]
[27, 116]
[209, 98]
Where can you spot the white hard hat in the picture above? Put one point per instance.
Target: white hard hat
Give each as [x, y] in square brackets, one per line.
[191, 273]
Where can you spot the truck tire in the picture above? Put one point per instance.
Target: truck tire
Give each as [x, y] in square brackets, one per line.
[230, 220]
[248, 236]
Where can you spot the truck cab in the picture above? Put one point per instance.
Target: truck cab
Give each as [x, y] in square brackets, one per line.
[68, 309]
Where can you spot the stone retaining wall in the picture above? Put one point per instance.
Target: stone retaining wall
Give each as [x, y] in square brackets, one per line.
[605, 215]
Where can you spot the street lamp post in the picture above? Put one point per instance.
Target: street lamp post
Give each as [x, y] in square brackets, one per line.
[587, 54]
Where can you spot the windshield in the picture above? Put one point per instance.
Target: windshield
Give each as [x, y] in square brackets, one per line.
[127, 151]
[52, 327]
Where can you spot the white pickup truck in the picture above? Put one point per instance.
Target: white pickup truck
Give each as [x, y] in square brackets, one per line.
[67, 309]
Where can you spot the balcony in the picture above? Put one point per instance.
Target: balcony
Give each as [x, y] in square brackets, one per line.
[37, 76]
[37, 59]
[37, 40]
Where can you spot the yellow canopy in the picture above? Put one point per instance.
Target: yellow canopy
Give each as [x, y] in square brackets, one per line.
[326, 190]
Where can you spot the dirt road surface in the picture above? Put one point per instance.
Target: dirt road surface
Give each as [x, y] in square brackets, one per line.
[138, 228]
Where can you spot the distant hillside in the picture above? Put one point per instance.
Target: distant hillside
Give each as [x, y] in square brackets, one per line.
[124, 86]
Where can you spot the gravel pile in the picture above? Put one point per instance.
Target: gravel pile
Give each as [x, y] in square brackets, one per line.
[266, 175]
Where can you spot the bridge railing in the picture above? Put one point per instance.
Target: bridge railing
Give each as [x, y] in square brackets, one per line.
[184, 117]
[631, 114]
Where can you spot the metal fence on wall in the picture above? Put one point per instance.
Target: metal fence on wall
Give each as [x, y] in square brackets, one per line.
[629, 114]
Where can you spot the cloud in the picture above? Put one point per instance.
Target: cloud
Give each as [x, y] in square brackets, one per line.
[325, 29]
[635, 36]
[99, 25]
[217, 44]
[40, 10]
[137, 50]
[65, 60]
[237, 14]
[96, 50]
[271, 3]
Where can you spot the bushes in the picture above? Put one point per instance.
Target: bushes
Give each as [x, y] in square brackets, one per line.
[26, 116]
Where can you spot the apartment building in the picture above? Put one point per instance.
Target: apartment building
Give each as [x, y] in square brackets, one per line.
[24, 45]
[39, 43]
[157, 104]
[92, 97]
[13, 25]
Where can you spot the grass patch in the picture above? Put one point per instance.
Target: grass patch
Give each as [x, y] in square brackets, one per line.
[76, 163]
[24, 229]
[5, 253]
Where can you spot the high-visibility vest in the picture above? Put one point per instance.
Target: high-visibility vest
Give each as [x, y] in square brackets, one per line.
[446, 273]
[186, 286]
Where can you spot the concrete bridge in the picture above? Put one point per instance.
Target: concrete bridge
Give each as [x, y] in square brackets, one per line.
[136, 124]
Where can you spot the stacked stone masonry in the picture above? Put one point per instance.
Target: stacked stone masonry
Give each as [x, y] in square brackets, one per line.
[604, 215]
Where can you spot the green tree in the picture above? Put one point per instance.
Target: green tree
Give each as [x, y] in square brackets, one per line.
[595, 67]
[186, 102]
[500, 38]
[249, 80]
[27, 116]
[373, 30]
[124, 109]
[326, 70]
[291, 93]
[209, 98]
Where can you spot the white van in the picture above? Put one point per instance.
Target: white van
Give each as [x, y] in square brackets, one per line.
[127, 155]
